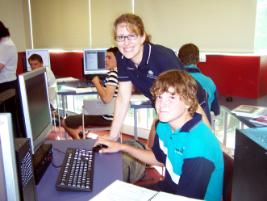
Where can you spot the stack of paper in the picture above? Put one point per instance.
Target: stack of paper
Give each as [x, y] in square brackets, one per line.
[122, 191]
[66, 79]
[260, 120]
[250, 111]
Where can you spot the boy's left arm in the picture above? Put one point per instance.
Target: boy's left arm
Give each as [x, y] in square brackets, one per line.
[195, 177]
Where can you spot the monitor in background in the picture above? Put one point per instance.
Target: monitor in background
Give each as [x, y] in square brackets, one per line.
[94, 62]
[44, 53]
[35, 106]
[9, 184]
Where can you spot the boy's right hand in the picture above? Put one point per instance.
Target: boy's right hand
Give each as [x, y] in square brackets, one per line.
[112, 146]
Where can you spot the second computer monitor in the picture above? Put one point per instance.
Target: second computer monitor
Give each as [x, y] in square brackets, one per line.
[35, 106]
[94, 61]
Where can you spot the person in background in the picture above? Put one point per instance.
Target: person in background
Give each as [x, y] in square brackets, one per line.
[36, 61]
[139, 63]
[184, 144]
[106, 92]
[8, 60]
[189, 56]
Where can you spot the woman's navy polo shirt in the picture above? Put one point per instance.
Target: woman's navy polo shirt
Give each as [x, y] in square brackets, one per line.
[156, 59]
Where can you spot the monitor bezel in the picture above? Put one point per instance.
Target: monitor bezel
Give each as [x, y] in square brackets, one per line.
[35, 143]
[44, 53]
[9, 158]
[85, 63]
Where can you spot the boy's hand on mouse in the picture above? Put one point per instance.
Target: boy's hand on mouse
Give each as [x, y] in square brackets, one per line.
[112, 146]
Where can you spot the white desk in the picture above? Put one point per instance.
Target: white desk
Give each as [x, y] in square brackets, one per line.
[137, 101]
[71, 88]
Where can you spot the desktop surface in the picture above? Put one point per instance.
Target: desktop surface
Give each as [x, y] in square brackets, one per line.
[107, 168]
[77, 87]
[77, 83]
[247, 122]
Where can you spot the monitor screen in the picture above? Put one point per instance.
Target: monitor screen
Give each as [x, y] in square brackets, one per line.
[94, 61]
[44, 53]
[9, 184]
[35, 106]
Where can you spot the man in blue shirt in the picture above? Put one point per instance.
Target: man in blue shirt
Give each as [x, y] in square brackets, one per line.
[189, 56]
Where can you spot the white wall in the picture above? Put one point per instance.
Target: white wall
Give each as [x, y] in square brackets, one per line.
[214, 25]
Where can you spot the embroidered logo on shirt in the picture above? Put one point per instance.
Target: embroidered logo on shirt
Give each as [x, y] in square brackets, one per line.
[150, 74]
[179, 151]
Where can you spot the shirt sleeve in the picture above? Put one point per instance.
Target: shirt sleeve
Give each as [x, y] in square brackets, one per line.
[202, 97]
[121, 66]
[215, 106]
[51, 79]
[159, 154]
[111, 79]
[4, 54]
[195, 177]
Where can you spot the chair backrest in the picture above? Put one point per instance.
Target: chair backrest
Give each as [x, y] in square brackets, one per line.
[97, 107]
[228, 177]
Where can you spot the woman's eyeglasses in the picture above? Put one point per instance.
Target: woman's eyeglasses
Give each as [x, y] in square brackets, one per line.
[130, 37]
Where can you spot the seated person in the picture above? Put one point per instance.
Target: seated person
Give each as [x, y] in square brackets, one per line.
[189, 56]
[184, 144]
[36, 61]
[106, 92]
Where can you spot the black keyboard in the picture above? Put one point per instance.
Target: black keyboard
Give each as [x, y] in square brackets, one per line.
[76, 173]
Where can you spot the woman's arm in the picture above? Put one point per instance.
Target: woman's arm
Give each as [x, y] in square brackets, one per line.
[121, 108]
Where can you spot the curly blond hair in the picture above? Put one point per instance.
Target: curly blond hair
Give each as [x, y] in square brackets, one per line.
[183, 84]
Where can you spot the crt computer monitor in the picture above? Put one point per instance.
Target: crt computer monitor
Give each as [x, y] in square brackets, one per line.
[35, 106]
[94, 61]
[9, 183]
[44, 53]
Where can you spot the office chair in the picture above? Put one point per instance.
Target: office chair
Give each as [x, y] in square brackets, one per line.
[228, 177]
[96, 107]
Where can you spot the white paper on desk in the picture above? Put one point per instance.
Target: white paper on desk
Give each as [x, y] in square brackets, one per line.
[122, 191]
[77, 90]
[250, 111]
[162, 196]
[85, 90]
[66, 79]
[66, 88]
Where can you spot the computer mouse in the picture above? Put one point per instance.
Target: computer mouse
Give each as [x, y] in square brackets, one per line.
[99, 147]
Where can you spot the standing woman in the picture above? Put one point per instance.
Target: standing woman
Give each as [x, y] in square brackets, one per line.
[139, 63]
[8, 60]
